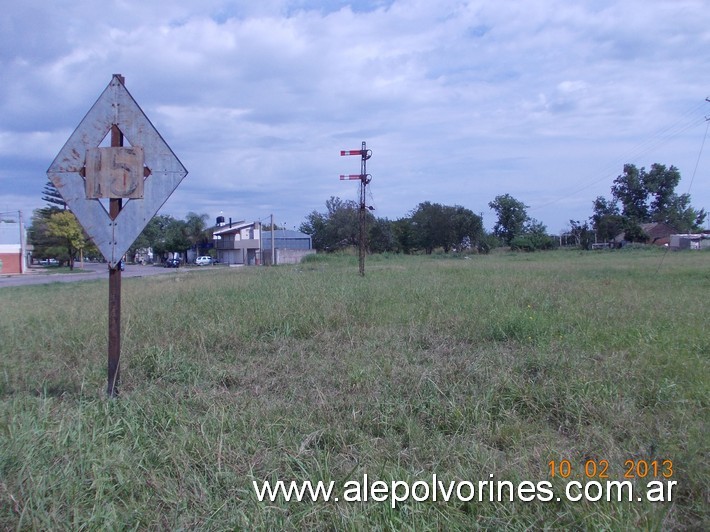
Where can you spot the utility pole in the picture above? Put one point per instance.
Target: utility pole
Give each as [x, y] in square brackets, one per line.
[22, 245]
[273, 243]
[365, 179]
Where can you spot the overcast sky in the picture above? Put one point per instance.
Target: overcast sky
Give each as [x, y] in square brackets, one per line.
[460, 101]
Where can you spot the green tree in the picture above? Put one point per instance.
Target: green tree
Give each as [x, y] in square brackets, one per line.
[344, 222]
[682, 216]
[337, 228]
[607, 221]
[512, 217]
[629, 190]
[649, 196]
[316, 225]
[177, 237]
[66, 229]
[661, 182]
[195, 227]
[633, 232]
[534, 237]
[430, 227]
[51, 195]
[403, 232]
[582, 233]
[47, 244]
[37, 235]
[164, 234]
[468, 229]
[445, 226]
[381, 236]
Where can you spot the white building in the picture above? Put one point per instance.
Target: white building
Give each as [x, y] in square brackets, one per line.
[246, 243]
[238, 243]
[12, 238]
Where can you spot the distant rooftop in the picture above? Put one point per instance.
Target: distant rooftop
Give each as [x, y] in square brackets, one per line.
[231, 228]
[286, 239]
[9, 233]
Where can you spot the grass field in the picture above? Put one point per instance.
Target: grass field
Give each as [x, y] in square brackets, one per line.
[459, 367]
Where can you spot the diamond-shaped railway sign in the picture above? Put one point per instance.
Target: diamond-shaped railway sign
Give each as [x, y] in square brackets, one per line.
[164, 171]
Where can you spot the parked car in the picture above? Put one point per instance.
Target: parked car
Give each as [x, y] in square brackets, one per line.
[203, 261]
[172, 263]
[49, 262]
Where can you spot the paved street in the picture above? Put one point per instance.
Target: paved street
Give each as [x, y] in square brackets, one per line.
[44, 275]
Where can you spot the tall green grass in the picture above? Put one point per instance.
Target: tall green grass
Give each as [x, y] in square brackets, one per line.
[463, 367]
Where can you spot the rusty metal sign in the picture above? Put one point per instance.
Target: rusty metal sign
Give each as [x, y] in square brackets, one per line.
[115, 172]
[146, 173]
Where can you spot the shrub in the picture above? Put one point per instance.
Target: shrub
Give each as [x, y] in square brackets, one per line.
[532, 242]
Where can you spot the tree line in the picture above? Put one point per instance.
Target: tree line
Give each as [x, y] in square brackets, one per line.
[429, 226]
[638, 197]
[165, 234]
[56, 233]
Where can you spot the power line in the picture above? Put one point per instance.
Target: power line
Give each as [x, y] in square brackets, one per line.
[685, 122]
[700, 153]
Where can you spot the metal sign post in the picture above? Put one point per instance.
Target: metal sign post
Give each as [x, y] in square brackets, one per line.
[145, 174]
[365, 179]
[114, 289]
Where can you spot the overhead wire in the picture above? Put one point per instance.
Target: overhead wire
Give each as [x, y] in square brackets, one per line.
[688, 120]
[697, 162]
[372, 198]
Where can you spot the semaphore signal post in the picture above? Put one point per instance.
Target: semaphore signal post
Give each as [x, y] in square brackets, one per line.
[365, 179]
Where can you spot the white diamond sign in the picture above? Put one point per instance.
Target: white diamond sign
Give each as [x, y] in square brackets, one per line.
[116, 107]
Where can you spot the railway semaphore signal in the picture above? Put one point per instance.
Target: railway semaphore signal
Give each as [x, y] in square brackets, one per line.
[364, 179]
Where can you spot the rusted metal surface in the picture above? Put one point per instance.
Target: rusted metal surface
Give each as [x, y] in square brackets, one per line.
[114, 293]
[144, 174]
[114, 331]
[113, 236]
[115, 172]
[365, 179]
